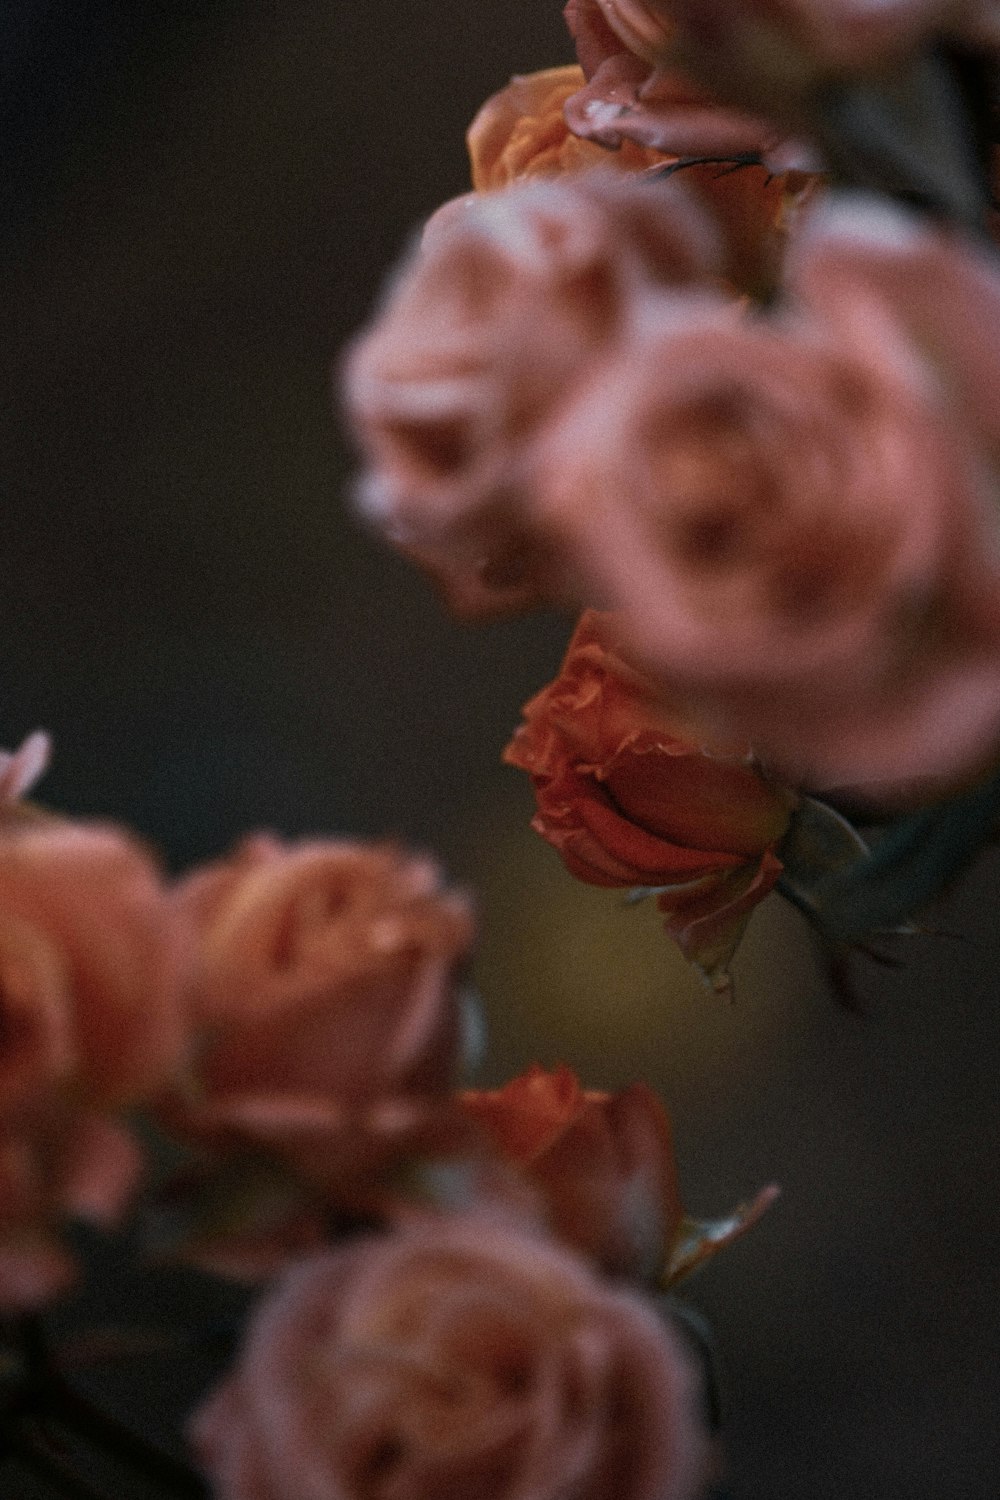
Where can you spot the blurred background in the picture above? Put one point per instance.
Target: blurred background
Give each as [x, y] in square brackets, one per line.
[200, 202]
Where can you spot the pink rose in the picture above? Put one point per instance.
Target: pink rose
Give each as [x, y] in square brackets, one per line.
[484, 334]
[635, 92]
[92, 961]
[326, 1001]
[459, 1360]
[797, 521]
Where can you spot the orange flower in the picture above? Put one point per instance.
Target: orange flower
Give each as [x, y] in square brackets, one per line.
[327, 1002]
[460, 1359]
[603, 1163]
[521, 132]
[604, 1168]
[92, 960]
[629, 798]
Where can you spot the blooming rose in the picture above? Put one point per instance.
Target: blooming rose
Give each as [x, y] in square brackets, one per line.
[326, 1002]
[796, 520]
[460, 1360]
[629, 798]
[92, 960]
[485, 332]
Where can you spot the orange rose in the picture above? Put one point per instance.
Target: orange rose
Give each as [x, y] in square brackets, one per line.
[604, 1168]
[628, 798]
[92, 959]
[521, 132]
[603, 1163]
[327, 1003]
[462, 1359]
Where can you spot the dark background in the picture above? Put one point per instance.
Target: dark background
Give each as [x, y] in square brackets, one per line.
[199, 204]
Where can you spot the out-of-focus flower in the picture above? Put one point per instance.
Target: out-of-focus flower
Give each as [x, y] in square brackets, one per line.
[630, 798]
[635, 93]
[484, 334]
[604, 1167]
[21, 768]
[92, 962]
[521, 132]
[792, 43]
[796, 520]
[603, 1163]
[327, 1004]
[461, 1359]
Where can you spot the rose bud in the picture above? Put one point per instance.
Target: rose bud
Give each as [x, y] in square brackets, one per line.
[461, 1359]
[629, 798]
[604, 1168]
[327, 1002]
[485, 332]
[92, 961]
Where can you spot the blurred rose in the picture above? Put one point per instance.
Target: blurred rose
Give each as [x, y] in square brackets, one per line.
[629, 798]
[794, 519]
[521, 132]
[635, 93]
[603, 1163]
[92, 960]
[63, 1164]
[462, 1360]
[21, 768]
[327, 1003]
[483, 335]
[791, 44]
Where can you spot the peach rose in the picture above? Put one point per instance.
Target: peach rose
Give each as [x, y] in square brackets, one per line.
[634, 92]
[459, 1360]
[603, 1163]
[630, 799]
[521, 132]
[604, 1168]
[484, 334]
[795, 520]
[92, 961]
[326, 1001]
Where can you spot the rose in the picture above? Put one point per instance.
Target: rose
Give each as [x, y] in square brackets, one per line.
[603, 1163]
[794, 519]
[635, 92]
[92, 961]
[521, 132]
[326, 1003]
[603, 1167]
[461, 1359]
[485, 333]
[629, 797]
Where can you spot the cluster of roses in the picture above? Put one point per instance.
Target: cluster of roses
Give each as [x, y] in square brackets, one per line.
[294, 1016]
[673, 361]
